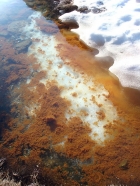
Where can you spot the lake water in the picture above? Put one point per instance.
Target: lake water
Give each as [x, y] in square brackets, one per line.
[64, 118]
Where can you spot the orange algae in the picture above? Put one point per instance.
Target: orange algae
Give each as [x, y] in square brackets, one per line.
[124, 130]
[101, 115]
[46, 130]
[38, 128]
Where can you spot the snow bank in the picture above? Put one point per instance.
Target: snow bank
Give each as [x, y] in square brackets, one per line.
[114, 28]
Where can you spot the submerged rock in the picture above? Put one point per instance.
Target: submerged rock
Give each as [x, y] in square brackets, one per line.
[34, 4]
[65, 2]
[70, 24]
[16, 27]
[66, 7]
[124, 164]
[83, 9]
[30, 3]
[21, 46]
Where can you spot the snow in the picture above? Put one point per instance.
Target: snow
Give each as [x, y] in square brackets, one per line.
[113, 27]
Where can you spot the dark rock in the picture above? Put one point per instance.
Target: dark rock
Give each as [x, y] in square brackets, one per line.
[21, 46]
[2, 161]
[34, 4]
[64, 2]
[124, 164]
[70, 24]
[30, 4]
[84, 9]
[66, 8]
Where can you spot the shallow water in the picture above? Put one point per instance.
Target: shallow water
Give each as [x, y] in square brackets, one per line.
[63, 115]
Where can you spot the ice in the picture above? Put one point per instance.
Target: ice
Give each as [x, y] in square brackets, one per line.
[113, 27]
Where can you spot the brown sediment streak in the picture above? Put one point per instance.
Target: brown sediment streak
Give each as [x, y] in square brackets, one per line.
[38, 132]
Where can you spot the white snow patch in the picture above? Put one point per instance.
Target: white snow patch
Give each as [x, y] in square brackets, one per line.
[113, 27]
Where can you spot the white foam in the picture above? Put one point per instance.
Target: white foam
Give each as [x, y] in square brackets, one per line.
[76, 88]
[115, 31]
